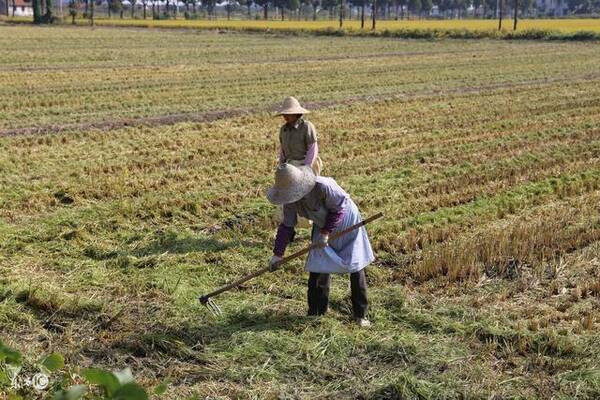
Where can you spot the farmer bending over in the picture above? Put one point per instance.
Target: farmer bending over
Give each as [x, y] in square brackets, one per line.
[298, 137]
[331, 209]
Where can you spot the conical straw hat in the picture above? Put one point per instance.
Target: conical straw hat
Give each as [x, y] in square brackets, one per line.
[291, 106]
[291, 184]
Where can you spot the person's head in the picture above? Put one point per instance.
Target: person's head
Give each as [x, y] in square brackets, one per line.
[291, 119]
[291, 110]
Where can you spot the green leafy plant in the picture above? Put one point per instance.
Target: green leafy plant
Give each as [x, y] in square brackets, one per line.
[74, 393]
[116, 385]
[52, 362]
[10, 364]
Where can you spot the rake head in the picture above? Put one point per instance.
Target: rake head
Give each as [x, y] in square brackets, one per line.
[211, 305]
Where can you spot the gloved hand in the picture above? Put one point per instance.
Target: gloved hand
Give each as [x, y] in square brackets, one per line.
[322, 240]
[272, 263]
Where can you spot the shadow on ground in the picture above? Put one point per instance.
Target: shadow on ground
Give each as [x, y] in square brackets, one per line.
[186, 342]
[170, 245]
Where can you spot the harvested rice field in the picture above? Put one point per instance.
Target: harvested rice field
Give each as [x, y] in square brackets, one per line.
[133, 170]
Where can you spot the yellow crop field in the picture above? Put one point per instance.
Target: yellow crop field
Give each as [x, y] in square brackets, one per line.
[562, 25]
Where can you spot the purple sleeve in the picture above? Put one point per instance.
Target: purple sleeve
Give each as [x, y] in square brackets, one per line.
[333, 220]
[285, 230]
[284, 234]
[311, 153]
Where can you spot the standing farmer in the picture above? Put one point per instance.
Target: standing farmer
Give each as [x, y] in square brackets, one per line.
[331, 209]
[298, 137]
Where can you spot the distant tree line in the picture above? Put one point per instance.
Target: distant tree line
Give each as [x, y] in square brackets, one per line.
[315, 9]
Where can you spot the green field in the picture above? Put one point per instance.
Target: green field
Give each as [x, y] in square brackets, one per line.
[133, 169]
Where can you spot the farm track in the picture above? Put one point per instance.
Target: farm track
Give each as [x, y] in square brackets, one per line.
[230, 113]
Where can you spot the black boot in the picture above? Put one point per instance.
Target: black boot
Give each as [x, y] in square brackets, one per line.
[358, 287]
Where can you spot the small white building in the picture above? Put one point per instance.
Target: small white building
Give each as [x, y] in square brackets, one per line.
[20, 8]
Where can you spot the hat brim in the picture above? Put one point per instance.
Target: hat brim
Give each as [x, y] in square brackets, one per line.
[292, 111]
[280, 197]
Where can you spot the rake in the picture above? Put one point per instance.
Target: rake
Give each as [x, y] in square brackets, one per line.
[213, 307]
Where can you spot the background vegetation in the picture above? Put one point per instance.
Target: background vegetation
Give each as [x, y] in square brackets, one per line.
[465, 15]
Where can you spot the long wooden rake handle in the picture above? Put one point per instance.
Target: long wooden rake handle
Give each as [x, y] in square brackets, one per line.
[204, 299]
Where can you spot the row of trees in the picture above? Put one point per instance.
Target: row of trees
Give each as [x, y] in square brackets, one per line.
[383, 9]
[386, 9]
[342, 9]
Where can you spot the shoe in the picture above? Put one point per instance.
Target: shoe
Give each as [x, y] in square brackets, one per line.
[363, 322]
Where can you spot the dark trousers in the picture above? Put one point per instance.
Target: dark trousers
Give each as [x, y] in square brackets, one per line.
[318, 293]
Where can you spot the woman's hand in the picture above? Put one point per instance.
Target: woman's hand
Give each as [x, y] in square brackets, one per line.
[322, 240]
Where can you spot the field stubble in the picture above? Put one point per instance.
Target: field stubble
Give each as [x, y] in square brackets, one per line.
[487, 282]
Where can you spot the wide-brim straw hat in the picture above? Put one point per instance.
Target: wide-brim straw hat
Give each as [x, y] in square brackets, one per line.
[291, 106]
[291, 184]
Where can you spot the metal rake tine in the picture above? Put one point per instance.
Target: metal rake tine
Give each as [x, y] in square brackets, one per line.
[214, 307]
[211, 305]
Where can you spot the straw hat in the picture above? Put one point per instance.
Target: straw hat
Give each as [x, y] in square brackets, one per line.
[291, 106]
[291, 184]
